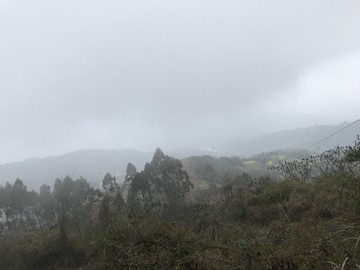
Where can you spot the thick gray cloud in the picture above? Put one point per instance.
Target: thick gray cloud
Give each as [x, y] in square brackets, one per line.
[81, 74]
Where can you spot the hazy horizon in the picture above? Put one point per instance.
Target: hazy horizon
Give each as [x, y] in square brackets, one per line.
[140, 75]
[210, 146]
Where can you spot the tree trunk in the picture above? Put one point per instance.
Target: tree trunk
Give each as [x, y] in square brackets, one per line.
[62, 224]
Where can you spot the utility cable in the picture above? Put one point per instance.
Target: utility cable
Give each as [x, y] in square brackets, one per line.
[327, 137]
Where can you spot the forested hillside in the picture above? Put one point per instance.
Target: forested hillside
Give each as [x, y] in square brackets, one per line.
[205, 171]
[156, 219]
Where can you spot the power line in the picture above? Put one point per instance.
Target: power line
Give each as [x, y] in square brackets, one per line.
[333, 134]
[327, 137]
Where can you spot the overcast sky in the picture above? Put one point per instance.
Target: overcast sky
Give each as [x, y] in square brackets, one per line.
[141, 74]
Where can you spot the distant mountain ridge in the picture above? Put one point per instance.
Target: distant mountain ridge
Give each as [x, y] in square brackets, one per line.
[90, 164]
[93, 164]
[293, 139]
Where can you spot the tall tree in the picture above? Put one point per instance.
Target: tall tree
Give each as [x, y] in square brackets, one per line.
[74, 201]
[109, 183]
[14, 200]
[47, 206]
[163, 181]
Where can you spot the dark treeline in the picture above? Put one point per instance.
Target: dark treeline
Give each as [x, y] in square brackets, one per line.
[153, 219]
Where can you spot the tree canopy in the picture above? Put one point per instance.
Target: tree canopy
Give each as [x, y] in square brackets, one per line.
[163, 181]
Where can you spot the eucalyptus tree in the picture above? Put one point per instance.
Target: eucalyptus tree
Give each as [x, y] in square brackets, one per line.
[162, 182]
[74, 203]
[47, 207]
[16, 204]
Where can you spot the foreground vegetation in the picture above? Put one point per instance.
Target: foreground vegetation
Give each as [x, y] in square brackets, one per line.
[309, 220]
